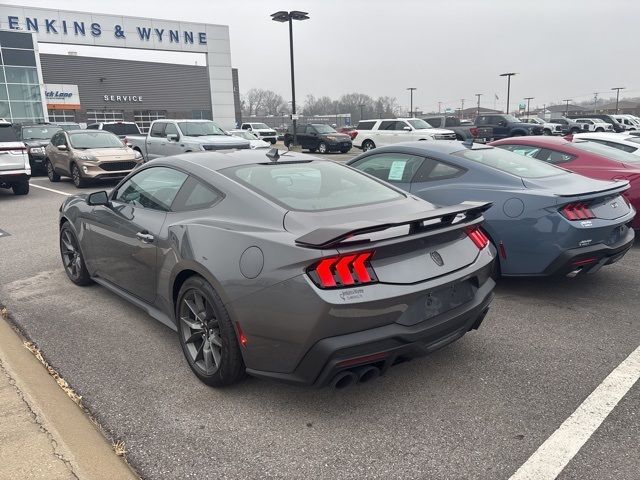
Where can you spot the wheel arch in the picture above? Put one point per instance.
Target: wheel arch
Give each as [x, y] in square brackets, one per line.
[186, 271]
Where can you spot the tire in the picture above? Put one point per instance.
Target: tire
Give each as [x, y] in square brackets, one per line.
[273, 142]
[345, 150]
[287, 143]
[218, 361]
[72, 258]
[323, 148]
[546, 131]
[77, 178]
[21, 188]
[51, 173]
[599, 129]
[368, 145]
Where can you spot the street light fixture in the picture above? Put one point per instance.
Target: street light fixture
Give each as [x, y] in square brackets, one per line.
[508, 75]
[289, 17]
[411, 89]
[617, 89]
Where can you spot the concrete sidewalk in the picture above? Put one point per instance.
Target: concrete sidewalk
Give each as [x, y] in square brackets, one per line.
[43, 433]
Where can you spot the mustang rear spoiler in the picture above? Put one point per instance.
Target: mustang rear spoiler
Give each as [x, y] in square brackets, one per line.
[329, 236]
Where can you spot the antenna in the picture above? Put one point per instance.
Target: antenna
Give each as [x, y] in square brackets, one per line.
[273, 154]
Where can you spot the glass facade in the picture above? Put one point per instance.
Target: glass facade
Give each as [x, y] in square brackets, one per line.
[62, 115]
[143, 118]
[100, 116]
[20, 91]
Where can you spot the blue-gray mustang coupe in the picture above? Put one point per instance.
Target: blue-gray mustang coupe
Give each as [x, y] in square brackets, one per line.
[284, 266]
[545, 220]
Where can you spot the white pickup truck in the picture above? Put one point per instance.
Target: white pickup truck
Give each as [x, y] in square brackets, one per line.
[172, 137]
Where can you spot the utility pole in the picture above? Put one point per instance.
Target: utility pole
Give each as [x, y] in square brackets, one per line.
[462, 108]
[478, 110]
[439, 107]
[595, 102]
[617, 89]
[566, 112]
[508, 75]
[361, 107]
[528, 99]
[411, 89]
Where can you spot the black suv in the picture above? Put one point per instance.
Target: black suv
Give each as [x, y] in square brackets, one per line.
[320, 137]
[36, 136]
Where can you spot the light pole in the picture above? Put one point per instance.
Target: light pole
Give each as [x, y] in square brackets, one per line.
[528, 99]
[617, 89]
[361, 107]
[284, 17]
[411, 89]
[566, 112]
[462, 108]
[478, 110]
[508, 75]
[439, 107]
[595, 102]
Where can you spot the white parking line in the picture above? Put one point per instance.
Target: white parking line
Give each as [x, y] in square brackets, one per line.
[555, 453]
[51, 190]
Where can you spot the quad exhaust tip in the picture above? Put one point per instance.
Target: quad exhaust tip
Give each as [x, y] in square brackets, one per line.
[347, 378]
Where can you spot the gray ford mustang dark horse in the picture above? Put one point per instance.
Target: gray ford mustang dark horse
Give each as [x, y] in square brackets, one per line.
[283, 266]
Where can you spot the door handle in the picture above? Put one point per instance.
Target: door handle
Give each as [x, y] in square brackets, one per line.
[145, 237]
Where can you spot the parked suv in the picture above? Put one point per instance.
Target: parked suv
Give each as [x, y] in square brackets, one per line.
[594, 125]
[507, 126]
[617, 126]
[36, 136]
[386, 131]
[15, 170]
[86, 155]
[463, 132]
[262, 130]
[569, 126]
[320, 137]
[121, 129]
[630, 122]
[548, 128]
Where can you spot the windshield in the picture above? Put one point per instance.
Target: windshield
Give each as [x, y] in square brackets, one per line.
[321, 128]
[509, 162]
[419, 124]
[312, 186]
[7, 133]
[199, 129]
[511, 119]
[38, 133]
[244, 134]
[97, 139]
[122, 128]
[260, 126]
[610, 152]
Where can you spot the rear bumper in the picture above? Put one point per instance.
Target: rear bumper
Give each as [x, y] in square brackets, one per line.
[386, 345]
[8, 179]
[588, 260]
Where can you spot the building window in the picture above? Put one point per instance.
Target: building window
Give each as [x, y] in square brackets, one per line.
[143, 118]
[101, 116]
[62, 116]
[202, 114]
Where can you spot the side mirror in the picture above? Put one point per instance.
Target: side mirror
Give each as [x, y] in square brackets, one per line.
[98, 198]
[172, 137]
[61, 147]
[406, 129]
[502, 123]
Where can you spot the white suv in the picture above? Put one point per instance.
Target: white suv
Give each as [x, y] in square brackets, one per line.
[629, 121]
[376, 133]
[15, 170]
[594, 125]
[262, 131]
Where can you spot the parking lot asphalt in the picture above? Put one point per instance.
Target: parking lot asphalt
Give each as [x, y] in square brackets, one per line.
[477, 409]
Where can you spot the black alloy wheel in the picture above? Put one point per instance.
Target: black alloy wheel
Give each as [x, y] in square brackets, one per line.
[368, 145]
[78, 180]
[51, 173]
[207, 335]
[72, 258]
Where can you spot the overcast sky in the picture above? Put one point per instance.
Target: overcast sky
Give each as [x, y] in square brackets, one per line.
[449, 49]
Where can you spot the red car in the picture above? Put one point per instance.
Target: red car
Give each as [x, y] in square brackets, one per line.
[586, 158]
[351, 131]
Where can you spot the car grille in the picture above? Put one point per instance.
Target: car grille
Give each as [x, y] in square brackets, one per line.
[117, 166]
[444, 136]
[267, 134]
[240, 146]
[558, 128]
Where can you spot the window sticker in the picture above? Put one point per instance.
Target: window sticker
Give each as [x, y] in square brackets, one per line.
[397, 170]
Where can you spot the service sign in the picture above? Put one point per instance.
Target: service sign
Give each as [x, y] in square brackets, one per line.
[81, 28]
[62, 96]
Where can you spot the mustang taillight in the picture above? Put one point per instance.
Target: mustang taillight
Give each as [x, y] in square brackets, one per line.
[577, 211]
[343, 270]
[478, 237]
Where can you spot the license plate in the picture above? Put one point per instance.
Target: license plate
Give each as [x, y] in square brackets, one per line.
[447, 298]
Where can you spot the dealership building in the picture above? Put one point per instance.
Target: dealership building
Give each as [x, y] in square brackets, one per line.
[36, 86]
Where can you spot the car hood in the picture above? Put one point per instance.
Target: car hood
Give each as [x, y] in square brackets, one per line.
[108, 153]
[219, 140]
[264, 130]
[340, 136]
[36, 143]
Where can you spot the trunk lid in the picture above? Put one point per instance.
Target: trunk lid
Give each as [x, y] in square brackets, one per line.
[12, 156]
[411, 240]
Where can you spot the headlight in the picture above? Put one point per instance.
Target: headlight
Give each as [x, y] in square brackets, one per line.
[86, 156]
[137, 155]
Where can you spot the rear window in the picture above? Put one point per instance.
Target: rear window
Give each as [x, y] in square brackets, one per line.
[312, 186]
[365, 125]
[121, 128]
[8, 134]
[510, 162]
[606, 151]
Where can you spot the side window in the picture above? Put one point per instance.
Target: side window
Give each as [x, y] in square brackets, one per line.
[310, 129]
[434, 122]
[367, 125]
[400, 125]
[246, 126]
[387, 125]
[391, 167]
[157, 129]
[552, 156]
[154, 188]
[93, 126]
[451, 122]
[523, 150]
[170, 129]
[482, 120]
[301, 129]
[432, 170]
[621, 146]
[195, 195]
